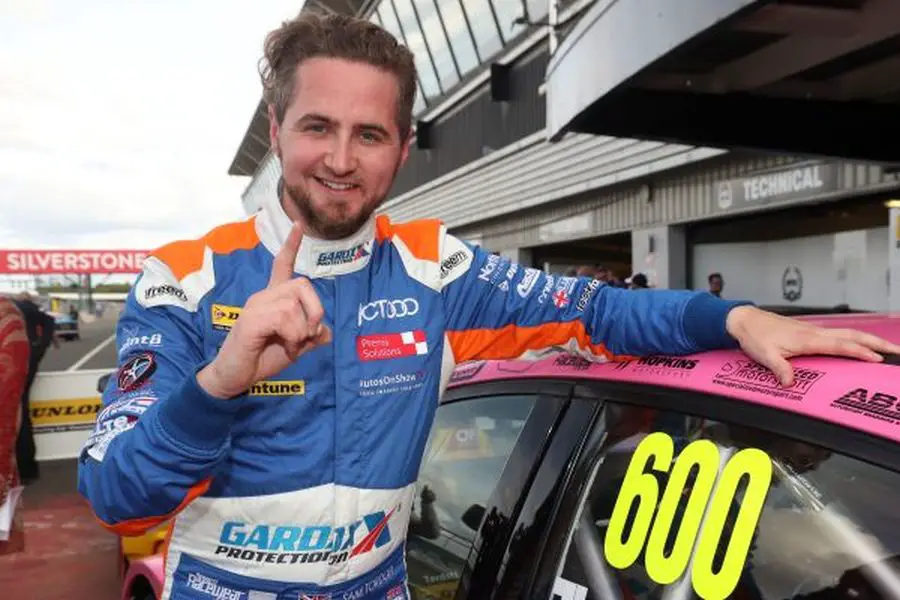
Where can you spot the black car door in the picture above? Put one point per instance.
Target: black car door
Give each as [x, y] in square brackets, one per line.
[680, 494]
[479, 458]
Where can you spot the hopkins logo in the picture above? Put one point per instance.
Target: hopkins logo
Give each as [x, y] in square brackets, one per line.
[224, 317]
[343, 257]
[136, 371]
[305, 544]
[388, 309]
[792, 284]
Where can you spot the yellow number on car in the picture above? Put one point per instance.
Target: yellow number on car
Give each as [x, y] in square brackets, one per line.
[703, 498]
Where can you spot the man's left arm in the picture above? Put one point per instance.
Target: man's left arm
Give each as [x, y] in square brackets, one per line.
[496, 309]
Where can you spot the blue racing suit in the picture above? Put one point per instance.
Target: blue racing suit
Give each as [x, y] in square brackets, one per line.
[302, 487]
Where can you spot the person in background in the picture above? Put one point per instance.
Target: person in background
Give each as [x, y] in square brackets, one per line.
[41, 333]
[14, 358]
[587, 271]
[638, 281]
[613, 280]
[716, 284]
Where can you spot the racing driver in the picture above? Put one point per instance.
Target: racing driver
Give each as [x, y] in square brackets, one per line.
[278, 376]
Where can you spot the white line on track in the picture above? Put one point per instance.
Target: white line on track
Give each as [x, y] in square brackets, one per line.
[92, 353]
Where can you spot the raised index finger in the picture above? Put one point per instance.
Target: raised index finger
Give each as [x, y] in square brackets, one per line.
[283, 265]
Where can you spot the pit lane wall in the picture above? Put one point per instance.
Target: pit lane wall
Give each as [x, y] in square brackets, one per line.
[64, 406]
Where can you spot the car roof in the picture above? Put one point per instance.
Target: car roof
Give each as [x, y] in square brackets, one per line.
[829, 389]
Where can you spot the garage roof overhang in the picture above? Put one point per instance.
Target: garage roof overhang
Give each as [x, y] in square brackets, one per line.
[255, 143]
[814, 77]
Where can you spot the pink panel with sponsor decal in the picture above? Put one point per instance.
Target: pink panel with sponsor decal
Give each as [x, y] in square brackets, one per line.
[859, 395]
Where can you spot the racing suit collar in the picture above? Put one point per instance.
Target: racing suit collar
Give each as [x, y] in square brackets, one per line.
[317, 257]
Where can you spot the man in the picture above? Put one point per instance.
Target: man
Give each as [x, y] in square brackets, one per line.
[638, 281]
[716, 284]
[41, 333]
[14, 354]
[282, 418]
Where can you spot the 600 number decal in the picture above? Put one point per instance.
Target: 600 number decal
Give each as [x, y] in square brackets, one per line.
[703, 498]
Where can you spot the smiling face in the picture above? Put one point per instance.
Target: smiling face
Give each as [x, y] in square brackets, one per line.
[339, 144]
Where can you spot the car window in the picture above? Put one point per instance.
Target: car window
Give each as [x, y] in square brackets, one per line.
[682, 507]
[468, 448]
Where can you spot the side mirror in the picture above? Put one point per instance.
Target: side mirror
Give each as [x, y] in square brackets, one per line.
[101, 383]
[473, 516]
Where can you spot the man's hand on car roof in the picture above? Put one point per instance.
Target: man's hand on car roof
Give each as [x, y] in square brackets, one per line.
[771, 339]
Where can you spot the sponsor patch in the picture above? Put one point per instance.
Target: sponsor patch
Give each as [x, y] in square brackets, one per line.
[278, 388]
[133, 405]
[457, 260]
[530, 277]
[753, 377]
[223, 317]
[386, 310]
[343, 257]
[587, 294]
[104, 434]
[211, 587]
[283, 543]
[156, 289]
[133, 340]
[667, 366]
[870, 403]
[467, 371]
[135, 372]
[573, 361]
[391, 384]
[387, 346]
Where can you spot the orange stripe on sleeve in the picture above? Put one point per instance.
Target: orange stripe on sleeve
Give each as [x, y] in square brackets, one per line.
[186, 256]
[138, 526]
[512, 341]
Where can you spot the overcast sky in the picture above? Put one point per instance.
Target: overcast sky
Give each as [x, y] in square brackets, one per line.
[119, 118]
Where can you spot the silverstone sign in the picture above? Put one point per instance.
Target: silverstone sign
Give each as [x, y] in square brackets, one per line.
[60, 262]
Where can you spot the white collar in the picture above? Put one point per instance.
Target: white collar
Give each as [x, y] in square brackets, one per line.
[316, 257]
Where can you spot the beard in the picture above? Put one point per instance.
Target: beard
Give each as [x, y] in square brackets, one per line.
[326, 226]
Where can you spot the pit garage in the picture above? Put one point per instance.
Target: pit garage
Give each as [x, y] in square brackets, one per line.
[809, 78]
[612, 252]
[820, 255]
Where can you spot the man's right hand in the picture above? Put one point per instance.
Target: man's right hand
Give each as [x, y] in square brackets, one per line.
[276, 326]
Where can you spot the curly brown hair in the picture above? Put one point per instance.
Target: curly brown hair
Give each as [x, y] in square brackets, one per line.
[311, 35]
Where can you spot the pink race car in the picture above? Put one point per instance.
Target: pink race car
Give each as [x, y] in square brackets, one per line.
[694, 476]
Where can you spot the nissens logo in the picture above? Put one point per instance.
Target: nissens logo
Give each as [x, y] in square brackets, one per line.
[342, 257]
[388, 309]
[278, 388]
[291, 544]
